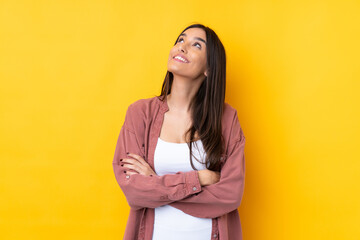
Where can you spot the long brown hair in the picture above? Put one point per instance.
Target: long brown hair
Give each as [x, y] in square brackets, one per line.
[208, 103]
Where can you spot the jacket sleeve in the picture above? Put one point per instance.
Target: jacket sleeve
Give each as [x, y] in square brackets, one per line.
[224, 196]
[148, 191]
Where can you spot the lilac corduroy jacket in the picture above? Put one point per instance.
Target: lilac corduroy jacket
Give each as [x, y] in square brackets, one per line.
[219, 201]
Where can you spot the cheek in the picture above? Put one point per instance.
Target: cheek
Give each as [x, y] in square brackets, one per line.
[171, 53]
[201, 61]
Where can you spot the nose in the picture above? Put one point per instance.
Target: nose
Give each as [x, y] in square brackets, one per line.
[182, 48]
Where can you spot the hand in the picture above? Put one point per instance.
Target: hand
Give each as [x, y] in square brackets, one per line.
[208, 177]
[138, 164]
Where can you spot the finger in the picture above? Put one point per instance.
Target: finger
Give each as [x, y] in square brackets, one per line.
[139, 158]
[131, 173]
[132, 161]
[133, 167]
[136, 164]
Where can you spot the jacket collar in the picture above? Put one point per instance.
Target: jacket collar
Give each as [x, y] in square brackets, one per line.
[163, 104]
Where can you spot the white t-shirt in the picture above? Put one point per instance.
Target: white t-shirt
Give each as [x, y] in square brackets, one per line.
[171, 223]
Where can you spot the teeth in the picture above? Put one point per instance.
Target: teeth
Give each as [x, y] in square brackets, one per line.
[180, 58]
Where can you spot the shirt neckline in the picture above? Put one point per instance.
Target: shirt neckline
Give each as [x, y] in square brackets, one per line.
[177, 143]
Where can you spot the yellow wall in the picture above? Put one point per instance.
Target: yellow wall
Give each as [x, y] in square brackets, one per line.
[69, 69]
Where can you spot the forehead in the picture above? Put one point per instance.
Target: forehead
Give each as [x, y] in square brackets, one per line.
[194, 33]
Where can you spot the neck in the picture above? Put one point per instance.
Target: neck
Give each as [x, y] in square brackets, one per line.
[182, 91]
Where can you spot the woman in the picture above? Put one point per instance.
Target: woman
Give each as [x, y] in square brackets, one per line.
[171, 195]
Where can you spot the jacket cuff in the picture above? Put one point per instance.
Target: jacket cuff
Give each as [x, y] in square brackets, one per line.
[192, 182]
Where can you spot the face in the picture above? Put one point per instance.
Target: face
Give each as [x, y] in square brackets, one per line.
[188, 57]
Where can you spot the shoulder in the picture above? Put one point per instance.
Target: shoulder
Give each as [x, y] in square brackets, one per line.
[143, 107]
[229, 114]
[144, 103]
[140, 110]
[231, 124]
[228, 109]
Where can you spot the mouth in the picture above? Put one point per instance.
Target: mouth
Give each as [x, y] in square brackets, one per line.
[180, 58]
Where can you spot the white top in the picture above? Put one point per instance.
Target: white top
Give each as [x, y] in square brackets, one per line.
[171, 223]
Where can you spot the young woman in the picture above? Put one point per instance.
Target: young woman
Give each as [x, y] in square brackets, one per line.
[179, 158]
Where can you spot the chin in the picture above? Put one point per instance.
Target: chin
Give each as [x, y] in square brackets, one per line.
[172, 69]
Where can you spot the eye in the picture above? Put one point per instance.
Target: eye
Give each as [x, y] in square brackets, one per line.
[198, 44]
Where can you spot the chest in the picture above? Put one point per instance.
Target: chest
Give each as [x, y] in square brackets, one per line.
[174, 127]
[170, 158]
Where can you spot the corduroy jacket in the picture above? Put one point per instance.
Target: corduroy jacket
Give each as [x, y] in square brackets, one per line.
[139, 134]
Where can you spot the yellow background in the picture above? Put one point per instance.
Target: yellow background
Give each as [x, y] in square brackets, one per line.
[69, 69]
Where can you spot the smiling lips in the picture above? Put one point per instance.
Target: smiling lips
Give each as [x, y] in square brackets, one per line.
[180, 58]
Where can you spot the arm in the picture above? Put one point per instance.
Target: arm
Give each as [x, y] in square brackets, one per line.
[224, 196]
[149, 191]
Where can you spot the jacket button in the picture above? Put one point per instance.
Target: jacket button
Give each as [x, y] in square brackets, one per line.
[215, 235]
[194, 188]
[127, 176]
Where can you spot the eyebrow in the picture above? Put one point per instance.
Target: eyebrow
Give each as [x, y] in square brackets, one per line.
[200, 39]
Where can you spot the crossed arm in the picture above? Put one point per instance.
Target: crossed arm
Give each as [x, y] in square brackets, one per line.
[182, 190]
